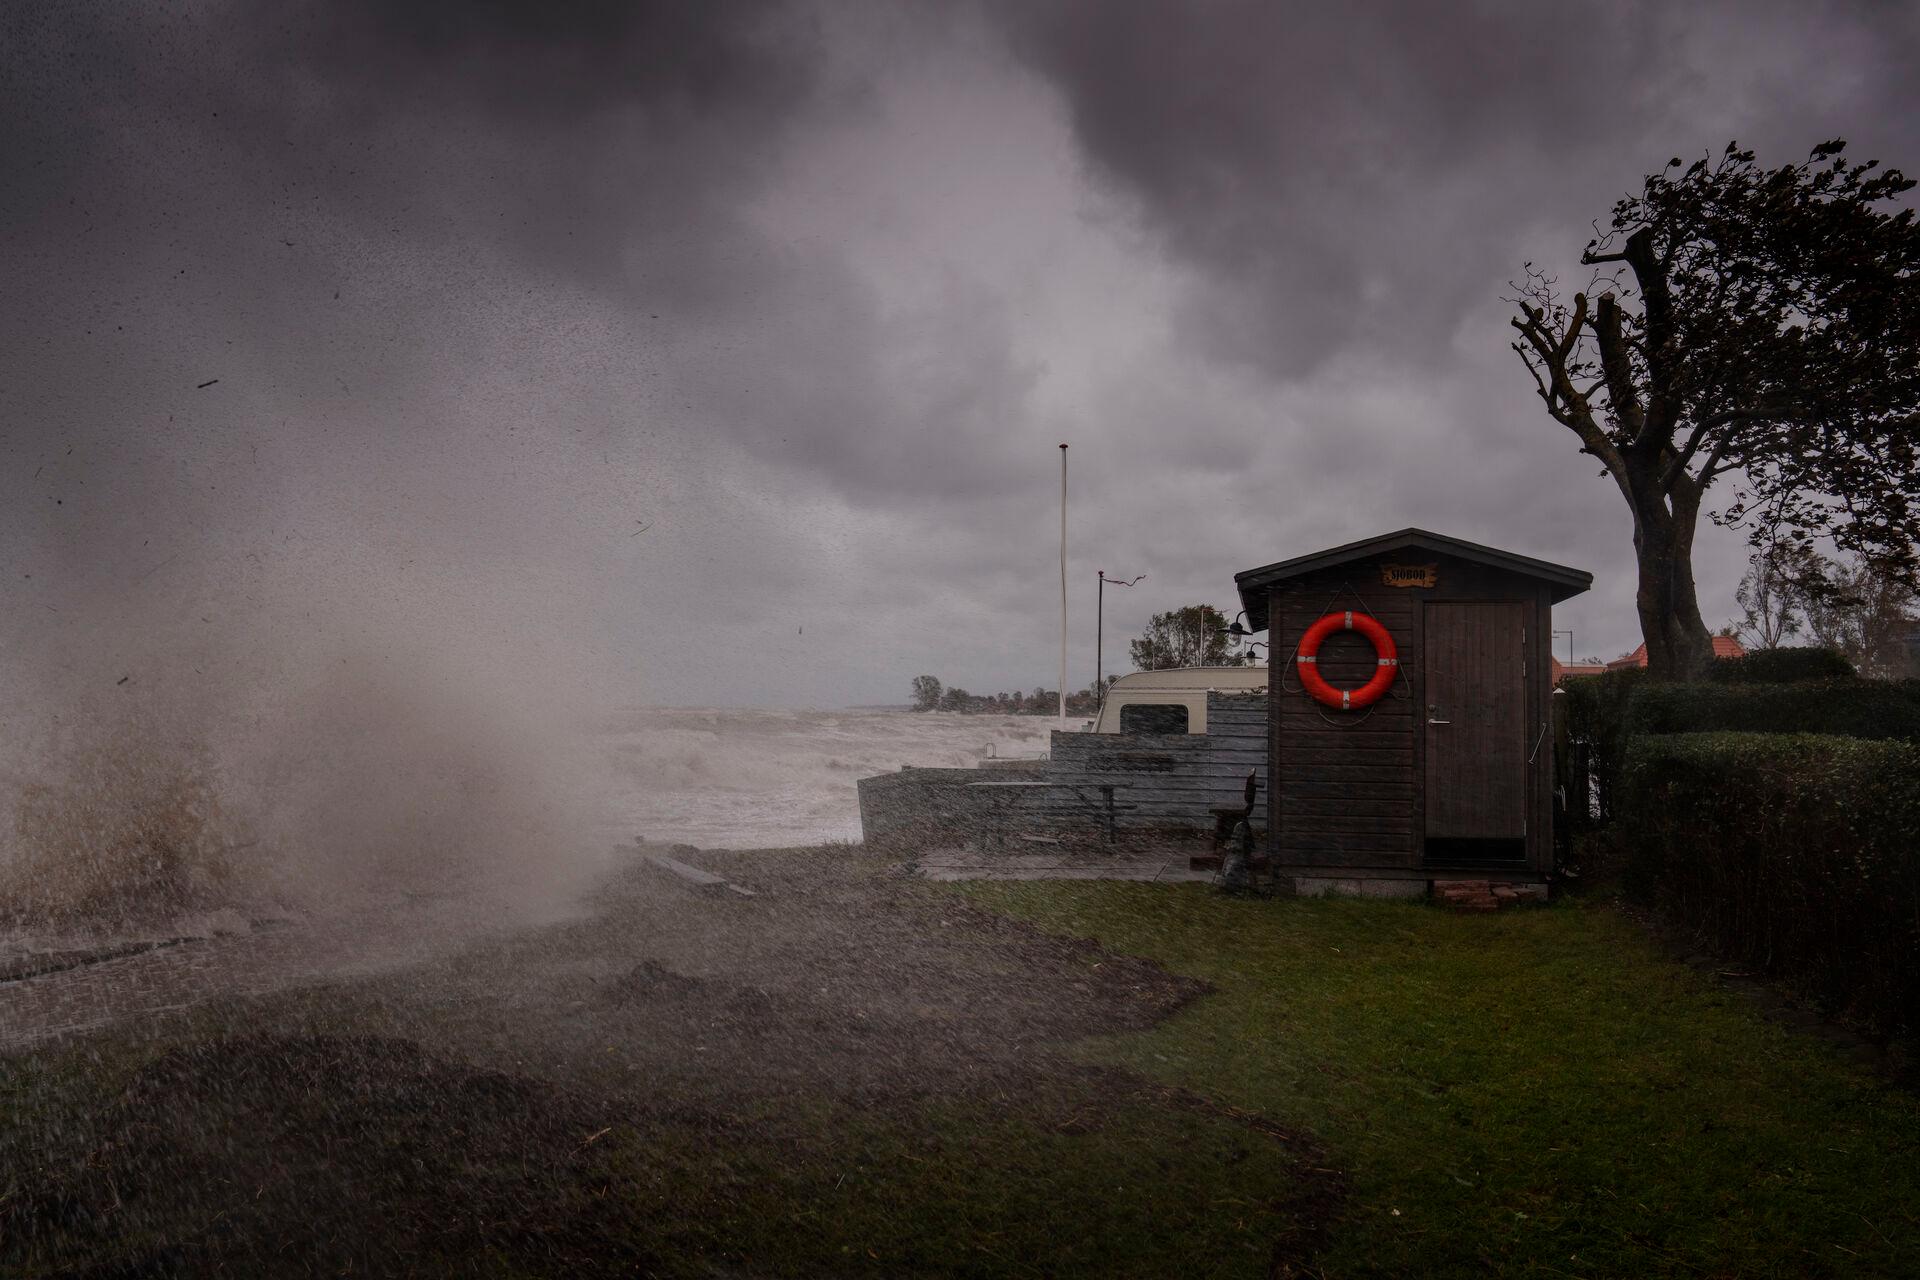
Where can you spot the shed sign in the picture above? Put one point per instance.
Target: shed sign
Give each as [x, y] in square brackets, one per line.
[1410, 575]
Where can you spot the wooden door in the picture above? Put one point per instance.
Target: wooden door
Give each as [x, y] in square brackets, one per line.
[1476, 709]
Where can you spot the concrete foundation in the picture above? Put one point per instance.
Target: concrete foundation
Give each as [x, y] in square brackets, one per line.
[1328, 886]
[1321, 886]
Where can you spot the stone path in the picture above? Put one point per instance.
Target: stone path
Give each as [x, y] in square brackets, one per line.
[1162, 865]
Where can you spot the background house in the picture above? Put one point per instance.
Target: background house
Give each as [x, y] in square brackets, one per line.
[1723, 647]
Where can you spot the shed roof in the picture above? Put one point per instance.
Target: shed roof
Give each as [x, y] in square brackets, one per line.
[1254, 583]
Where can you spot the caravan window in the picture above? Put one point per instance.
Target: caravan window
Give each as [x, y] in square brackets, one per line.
[1149, 717]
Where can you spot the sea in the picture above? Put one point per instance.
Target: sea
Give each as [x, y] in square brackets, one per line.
[744, 779]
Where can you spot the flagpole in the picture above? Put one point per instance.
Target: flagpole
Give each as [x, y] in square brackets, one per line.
[1063, 582]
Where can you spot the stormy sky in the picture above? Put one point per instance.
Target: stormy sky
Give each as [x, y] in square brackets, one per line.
[721, 351]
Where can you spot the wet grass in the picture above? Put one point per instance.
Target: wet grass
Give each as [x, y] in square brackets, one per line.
[1542, 1092]
[320, 1154]
[1055, 1182]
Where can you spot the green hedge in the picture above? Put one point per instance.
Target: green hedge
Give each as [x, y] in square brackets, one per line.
[1781, 666]
[1852, 707]
[1791, 852]
[1602, 714]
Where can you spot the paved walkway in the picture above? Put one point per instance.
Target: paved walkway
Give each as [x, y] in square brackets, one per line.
[1042, 863]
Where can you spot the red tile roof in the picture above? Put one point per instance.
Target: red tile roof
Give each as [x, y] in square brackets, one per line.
[1723, 647]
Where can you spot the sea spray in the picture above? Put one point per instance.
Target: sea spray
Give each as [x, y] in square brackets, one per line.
[346, 782]
[131, 826]
[388, 775]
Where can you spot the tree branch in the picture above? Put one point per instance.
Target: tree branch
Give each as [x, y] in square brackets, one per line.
[1657, 316]
[1713, 466]
[1703, 429]
[1682, 458]
[1576, 414]
[1574, 322]
[1616, 362]
[1538, 381]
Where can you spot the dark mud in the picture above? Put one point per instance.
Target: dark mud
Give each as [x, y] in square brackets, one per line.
[39, 964]
[834, 977]
[262, 1155]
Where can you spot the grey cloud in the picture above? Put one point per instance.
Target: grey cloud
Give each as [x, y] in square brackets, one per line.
[1362, 174]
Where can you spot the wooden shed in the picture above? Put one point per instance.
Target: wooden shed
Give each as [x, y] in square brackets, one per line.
[1450, 774]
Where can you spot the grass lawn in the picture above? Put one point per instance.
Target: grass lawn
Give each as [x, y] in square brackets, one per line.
[1534, 1093]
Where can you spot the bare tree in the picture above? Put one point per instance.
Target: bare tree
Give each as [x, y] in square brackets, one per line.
[1769, 597]
[1867, 615]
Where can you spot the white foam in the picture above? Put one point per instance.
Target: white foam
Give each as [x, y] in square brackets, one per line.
[745, 779]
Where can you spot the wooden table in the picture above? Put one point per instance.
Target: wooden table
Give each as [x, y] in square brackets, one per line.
[1002, 797]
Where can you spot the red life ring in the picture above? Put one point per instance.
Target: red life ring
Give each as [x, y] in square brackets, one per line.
[1307, 660]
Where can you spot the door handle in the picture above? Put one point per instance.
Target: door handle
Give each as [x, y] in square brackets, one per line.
[1432, 712]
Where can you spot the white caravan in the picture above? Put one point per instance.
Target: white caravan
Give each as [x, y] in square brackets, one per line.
[1172, 701]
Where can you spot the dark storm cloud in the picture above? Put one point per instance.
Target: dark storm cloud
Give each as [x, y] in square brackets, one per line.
[364, 107]
[557, 60]
[435, 148]
[613, 125]
[1360, 173]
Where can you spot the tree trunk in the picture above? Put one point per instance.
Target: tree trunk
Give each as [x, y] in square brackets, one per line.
[1679, 647]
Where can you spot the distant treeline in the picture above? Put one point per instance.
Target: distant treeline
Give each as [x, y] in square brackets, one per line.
[930, 695]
